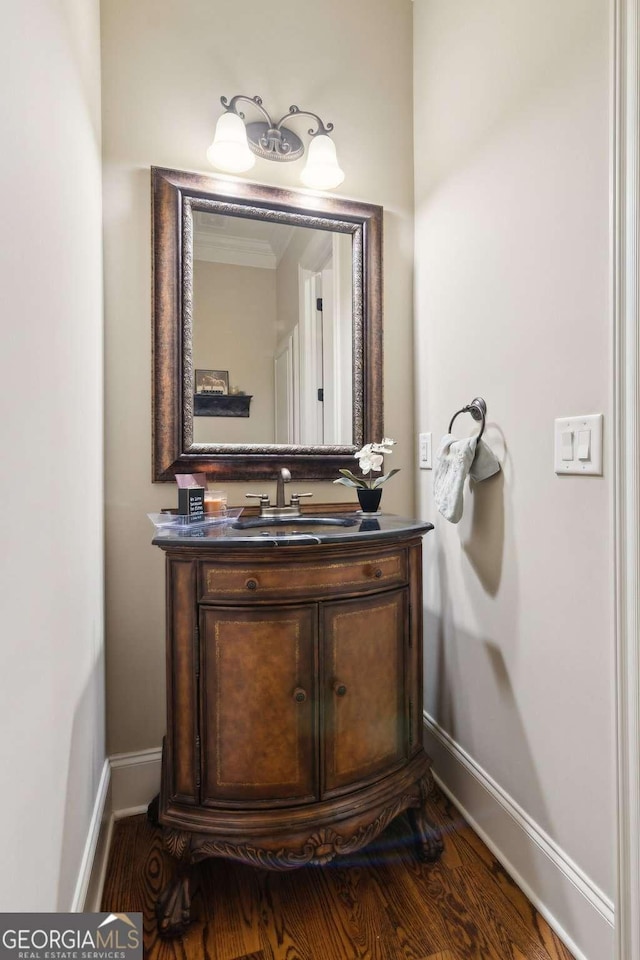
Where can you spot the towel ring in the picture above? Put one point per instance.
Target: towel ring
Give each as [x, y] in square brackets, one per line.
[478, 410]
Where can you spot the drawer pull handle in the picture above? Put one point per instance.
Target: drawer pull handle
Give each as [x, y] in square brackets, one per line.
[300, 695]
[378, 573]
[251, 584]
[339, 688]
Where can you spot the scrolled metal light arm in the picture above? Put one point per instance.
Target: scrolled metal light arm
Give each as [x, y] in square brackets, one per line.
[230, 106]
[275, 141]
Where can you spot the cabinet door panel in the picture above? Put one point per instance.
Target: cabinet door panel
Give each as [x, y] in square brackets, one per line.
[258, 703]
[363, 682]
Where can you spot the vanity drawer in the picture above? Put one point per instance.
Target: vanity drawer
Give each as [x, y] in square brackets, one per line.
[219, 581]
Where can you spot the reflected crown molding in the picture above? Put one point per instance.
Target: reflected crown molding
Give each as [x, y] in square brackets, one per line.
[239, 251]
[220, 239]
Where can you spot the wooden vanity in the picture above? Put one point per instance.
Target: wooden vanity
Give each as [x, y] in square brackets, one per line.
[294, 696]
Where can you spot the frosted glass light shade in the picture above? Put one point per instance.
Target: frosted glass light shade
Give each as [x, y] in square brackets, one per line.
[322, 171]
[230, 150]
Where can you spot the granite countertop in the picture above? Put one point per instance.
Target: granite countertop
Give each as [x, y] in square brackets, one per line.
[363, 529]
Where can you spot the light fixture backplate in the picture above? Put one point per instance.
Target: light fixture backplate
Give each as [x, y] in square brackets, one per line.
[257, 130]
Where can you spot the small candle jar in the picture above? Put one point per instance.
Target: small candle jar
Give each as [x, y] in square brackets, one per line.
[215, 503]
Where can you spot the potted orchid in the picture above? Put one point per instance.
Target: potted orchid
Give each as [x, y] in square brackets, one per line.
[370, 460]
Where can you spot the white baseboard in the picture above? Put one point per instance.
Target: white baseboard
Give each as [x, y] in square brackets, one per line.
[128, 783]
[93, 902]
[83, 883]
[135, 779]
[576, 909]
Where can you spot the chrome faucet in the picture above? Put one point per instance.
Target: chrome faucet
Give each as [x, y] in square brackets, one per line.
[281, 509]
[283, 477]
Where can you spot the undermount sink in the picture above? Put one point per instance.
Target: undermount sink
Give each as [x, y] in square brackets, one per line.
[314, 521]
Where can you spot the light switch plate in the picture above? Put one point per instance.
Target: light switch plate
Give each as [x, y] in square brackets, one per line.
[592, 424]
[424, 454]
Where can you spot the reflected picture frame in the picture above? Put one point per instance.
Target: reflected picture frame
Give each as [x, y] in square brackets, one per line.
[211, 381]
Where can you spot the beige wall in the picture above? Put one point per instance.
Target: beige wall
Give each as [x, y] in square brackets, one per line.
[234, 329]
[513, 266]
[164, 68]
[51, 434]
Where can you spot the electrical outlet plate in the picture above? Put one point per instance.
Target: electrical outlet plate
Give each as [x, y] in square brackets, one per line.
[424, 451]
[578, 445]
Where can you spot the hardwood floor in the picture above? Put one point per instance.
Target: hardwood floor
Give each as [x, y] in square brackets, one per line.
[379, 904]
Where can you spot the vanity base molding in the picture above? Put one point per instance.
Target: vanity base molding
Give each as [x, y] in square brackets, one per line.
[292, 838]
[294, 687]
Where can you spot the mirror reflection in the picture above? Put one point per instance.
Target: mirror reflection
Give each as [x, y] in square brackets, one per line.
[272, 332]
[250, 374]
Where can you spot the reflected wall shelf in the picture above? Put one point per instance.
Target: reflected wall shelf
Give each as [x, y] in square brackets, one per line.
[219, 405]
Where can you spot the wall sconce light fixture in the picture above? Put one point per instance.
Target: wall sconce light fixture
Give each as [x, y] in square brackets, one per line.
[236, 145]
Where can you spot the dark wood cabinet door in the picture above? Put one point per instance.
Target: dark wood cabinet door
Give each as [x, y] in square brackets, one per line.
[258, 704]
[363, 689]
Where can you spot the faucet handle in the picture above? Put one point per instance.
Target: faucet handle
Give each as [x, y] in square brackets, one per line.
[262, 497]
[295, 497]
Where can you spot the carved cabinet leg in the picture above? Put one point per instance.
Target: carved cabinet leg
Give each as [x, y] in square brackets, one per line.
[428, 837]
[173, 907]
[153, 811]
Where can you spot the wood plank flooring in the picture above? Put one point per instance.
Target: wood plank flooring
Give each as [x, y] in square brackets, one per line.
[379, 904]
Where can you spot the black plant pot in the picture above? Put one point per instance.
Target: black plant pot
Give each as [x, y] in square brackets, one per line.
[369, 499]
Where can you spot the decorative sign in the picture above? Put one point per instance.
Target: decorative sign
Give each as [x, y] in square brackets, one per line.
[191, 503]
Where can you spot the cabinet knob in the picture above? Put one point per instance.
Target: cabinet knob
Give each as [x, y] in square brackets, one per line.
[339, 689]
[251, 584]
[299, 695]
[378, 573]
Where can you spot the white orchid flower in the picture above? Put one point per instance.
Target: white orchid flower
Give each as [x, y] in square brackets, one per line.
[370, 460]
[373, 461]
[385, 445]
[366, 450]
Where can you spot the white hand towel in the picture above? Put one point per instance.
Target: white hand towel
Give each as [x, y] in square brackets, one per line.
[485, 463]
[455, 460]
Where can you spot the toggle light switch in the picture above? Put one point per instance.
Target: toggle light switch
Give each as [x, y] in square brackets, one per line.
[567, 445]
[578, 445]
[584, 444]
[424, 454]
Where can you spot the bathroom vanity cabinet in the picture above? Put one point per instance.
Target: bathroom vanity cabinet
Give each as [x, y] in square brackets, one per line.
[294, 698]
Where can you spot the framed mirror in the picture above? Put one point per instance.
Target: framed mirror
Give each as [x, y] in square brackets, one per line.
[267, 329]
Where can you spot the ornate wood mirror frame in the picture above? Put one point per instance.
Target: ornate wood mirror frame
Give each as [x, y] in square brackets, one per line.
[175, 197]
